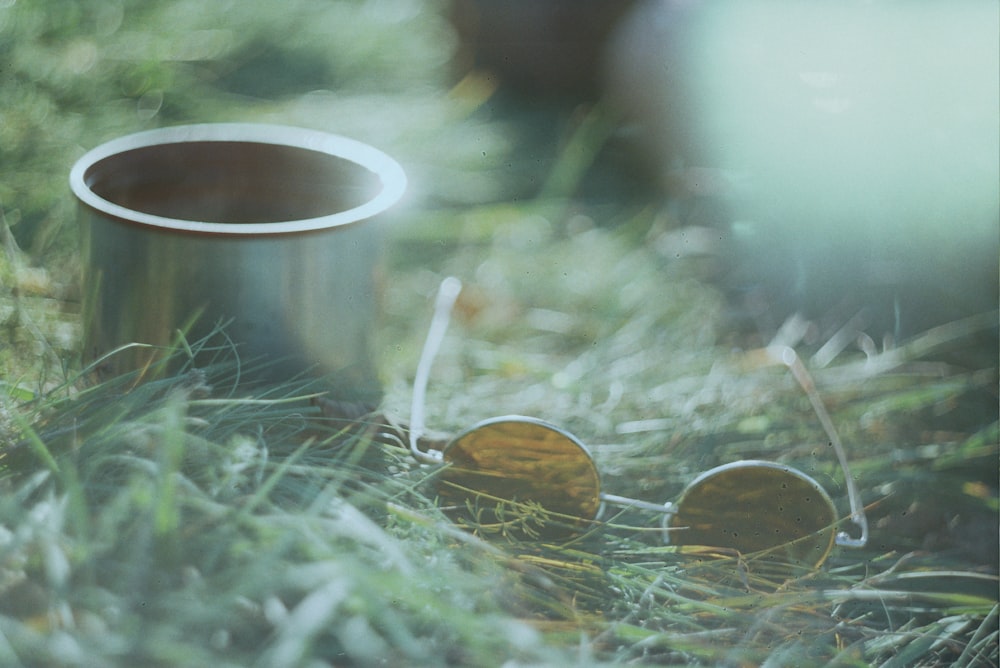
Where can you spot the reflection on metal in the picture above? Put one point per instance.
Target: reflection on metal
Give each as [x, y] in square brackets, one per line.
[265, 229]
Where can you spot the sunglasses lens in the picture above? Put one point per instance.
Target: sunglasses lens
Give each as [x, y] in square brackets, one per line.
[756, 507]
[521, 478]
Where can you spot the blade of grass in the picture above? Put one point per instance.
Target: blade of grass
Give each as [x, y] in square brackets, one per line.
[973, 653]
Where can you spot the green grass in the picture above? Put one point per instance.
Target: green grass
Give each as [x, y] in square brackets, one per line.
[178, 522]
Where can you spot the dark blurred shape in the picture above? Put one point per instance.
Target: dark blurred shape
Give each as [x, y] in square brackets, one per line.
[538, 47]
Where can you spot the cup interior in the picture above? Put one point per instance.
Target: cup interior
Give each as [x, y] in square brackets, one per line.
[233, 182]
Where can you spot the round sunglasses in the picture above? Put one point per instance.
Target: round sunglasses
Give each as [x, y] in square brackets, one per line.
[526, 478]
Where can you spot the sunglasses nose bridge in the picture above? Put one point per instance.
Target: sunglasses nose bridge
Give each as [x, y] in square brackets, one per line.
[666, 509]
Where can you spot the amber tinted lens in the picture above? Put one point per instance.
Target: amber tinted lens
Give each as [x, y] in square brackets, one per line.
[521, 478]
[756, 507]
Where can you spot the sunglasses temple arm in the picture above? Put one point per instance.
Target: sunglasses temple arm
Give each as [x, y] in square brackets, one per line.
[790, 359]
[625, 502]
[447, 294]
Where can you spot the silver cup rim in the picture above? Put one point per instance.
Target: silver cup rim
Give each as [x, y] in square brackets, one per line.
[388, 171]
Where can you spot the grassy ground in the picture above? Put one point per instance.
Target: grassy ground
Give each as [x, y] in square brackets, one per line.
[176, 523]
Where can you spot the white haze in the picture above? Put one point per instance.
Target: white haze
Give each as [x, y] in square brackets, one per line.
[865, 137]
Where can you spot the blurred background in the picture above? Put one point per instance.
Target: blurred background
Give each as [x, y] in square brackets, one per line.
[823, 160]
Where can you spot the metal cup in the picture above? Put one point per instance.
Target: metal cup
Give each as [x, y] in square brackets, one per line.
[268, 231]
